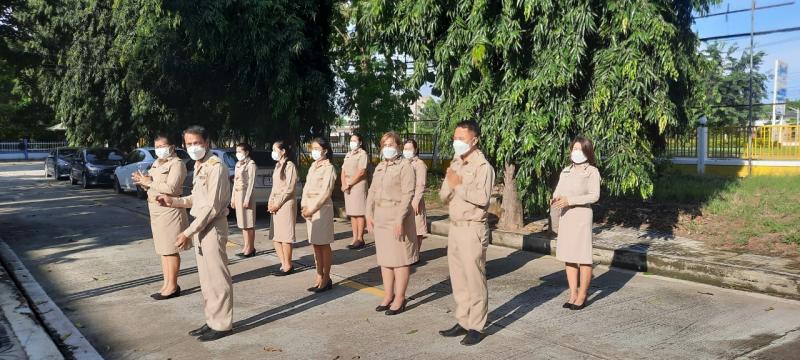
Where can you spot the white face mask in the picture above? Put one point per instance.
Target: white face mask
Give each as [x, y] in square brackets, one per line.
[275, 155]
[353, 145]
[163, 152]
[196, 152]
[577, 157]
[408, 154]
[389, 152]
[316, 154]
[240, 156]
[460, 147]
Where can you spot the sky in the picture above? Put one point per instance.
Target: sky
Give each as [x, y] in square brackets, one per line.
[783, 46]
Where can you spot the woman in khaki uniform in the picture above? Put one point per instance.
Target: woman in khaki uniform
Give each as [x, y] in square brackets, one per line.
[354, 187]
[389, 217]
[282, 205]
[166, 177]
[411, 152]
[317, 208]
[242, 200]
[578, 187]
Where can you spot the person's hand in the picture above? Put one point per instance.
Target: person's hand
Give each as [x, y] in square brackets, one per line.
[181, 241]
[398, 231]
[306, 214]
[246, 205]
[453, 179]
[560, 203]
[164, 200]
[415, 207]
[233, 206]
[141, 179]
[370, 226]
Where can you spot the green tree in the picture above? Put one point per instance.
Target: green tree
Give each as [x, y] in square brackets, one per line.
[536, 73]
[727, 83]
[247, 70]
[371, 80]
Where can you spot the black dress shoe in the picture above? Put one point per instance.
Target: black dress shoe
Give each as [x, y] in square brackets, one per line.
[200, 331]
[312, 289]
[402, 308]
[578, 307]
[357, 245]
[326, 288]
[284, 273]
[176, 293]
[212, 335]
[243, 255]
[382, 308]
[566, 305]
[454, 331]
[473, 337]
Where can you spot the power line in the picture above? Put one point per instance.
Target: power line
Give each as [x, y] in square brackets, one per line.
[754, 33]
[744, 10]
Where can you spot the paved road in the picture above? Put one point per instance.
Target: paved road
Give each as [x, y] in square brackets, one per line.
[91, 251]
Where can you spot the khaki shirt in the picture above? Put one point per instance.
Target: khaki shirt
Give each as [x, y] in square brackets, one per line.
[211, 191]
[469, 201]
[353, 162]
[319, 185]
[168, 176]
[421, 176]
[392, 186]
[579, 184]
[283, 189]
[244, 178]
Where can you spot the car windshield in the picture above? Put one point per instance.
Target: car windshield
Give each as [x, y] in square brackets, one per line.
[67, 153]
[100, 156]
[230, 159]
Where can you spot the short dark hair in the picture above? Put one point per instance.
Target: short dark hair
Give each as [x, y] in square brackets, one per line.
[414, 143]
[245, 146]
[363, 145]
[163, 136]
[586, 146]
[325, 145]
[470, 125]
[197, 130]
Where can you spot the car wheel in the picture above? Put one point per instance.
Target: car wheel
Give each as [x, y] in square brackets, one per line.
[85, 181]
[72, 180]
[140, 193]
[117, 187]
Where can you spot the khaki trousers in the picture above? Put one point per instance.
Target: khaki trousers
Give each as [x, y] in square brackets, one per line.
[215, 278]
[466, 258]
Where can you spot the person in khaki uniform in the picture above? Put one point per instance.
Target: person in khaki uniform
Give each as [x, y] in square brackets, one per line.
[389, 217]
[578, 188]
[283, 206]
[411, 152]
[242, 200]
[316, 207]
[166, 177]
[466, 189]
[211, 191]
[354, 187]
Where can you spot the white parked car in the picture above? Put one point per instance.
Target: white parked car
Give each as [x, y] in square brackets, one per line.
[140, 160]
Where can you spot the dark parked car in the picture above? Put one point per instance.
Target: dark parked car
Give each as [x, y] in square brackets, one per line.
[92, 167]
[58, 162]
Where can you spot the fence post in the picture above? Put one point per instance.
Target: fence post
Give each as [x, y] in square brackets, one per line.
[702, 145]
[25, 147]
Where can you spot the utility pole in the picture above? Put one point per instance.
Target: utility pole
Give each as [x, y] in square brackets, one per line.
[750, 94]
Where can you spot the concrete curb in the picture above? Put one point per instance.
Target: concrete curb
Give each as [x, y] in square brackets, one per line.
[712, 273]
[57, 324]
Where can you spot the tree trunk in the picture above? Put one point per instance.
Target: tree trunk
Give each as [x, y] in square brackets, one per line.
[511, 218]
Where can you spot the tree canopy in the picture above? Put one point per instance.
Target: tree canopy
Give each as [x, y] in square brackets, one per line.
[727, 84]
[537, 73]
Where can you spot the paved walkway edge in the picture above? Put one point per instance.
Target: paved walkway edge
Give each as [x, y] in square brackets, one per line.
[54, 319]
[717, 274]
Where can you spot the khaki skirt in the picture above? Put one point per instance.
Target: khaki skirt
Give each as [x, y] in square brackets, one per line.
[166, 224]
[245, 218]
[574, 244]
[421, 219]
[355, 203]
[390, 250]
[320, 226]
[281, 227]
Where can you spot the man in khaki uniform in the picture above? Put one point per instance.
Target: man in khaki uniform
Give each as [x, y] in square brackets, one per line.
[467, 189]
[209, 201]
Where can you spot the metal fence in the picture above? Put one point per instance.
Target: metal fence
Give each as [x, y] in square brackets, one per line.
[31, 146]
[769, 142]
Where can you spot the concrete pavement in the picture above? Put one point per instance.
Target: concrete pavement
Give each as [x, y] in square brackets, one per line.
[91, 251]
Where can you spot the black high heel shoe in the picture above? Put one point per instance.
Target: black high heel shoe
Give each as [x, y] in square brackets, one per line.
[566, 305]
[243, 255]
[578, 307]
[357, 245]
[381, 308]
[284, 273]
[326, 288]
[402, 308]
